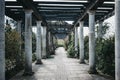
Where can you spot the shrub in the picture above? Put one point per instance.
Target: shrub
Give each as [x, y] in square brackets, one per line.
[105, 56]
[71, 50]
[105, 61]
[14, 59]
[86, 47]
[33, 42]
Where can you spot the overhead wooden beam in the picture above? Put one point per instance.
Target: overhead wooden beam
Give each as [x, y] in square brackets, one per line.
[53, 2]
[28, 4]
[9, 3]
[61, 6]
[13, 15]
[107, 16]
[92, 6]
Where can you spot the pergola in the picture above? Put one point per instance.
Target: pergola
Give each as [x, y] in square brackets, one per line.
[60, 10]
[43, 13]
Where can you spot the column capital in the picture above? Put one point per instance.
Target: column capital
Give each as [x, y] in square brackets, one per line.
[39, 22]
[28, 11]
[91, 12]
[81, 23]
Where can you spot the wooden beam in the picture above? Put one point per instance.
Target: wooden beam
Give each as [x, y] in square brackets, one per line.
[13, 15]
[28, 4]
[92, 6]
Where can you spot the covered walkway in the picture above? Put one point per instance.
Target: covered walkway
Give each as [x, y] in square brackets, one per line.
[60, 68]
[50, 19]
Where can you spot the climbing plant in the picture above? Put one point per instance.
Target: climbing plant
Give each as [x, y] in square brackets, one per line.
[71, 50]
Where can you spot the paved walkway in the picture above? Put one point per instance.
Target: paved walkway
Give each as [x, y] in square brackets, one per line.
[60, 68]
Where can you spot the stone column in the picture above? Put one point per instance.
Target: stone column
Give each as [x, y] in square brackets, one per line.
[76, 39]
[2, 40]
[49, 42]
[52, 44]
[18, 29]
[44, 54]
[54, 41]
[28, 42]
[117, 39]
[81, 43]
[100, 29]
[19, 25]
[92, 68]
[49, 36]
[38, 43]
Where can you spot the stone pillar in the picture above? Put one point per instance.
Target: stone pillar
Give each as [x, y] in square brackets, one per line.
[100, 29]
[2, 40]
[38, 43]
[92, 67]
[44, 54]
[76, 39]
[117, 39]
[28, 42]
[49, 42]
[19, 25]
[52, 44]
[49, 37]
[18, 29]
[54, 41]
[81, 43]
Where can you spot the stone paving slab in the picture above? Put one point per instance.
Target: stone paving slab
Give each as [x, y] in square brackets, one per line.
[60, 68]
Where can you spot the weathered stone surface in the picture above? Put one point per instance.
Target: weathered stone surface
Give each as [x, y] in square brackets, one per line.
[2, 40]
[117, 39]
[60, 68]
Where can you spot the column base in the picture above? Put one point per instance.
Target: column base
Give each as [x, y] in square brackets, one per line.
[38, 62]
[28, 73]
[82, 62]
[92, 71]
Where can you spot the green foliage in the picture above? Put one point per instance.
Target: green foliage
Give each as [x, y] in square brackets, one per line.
[105, 28]
[60, 43]
[33, 57]
[14, 58]
[12, 44]
[86, 47]
[105, 61]
[71, 50]
[33, 42]
[104, 50]
[105, 55]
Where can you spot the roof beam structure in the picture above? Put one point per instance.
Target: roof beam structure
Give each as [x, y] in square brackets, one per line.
[61, 11]
[92, 6]
[28, 4]
[19, 6]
